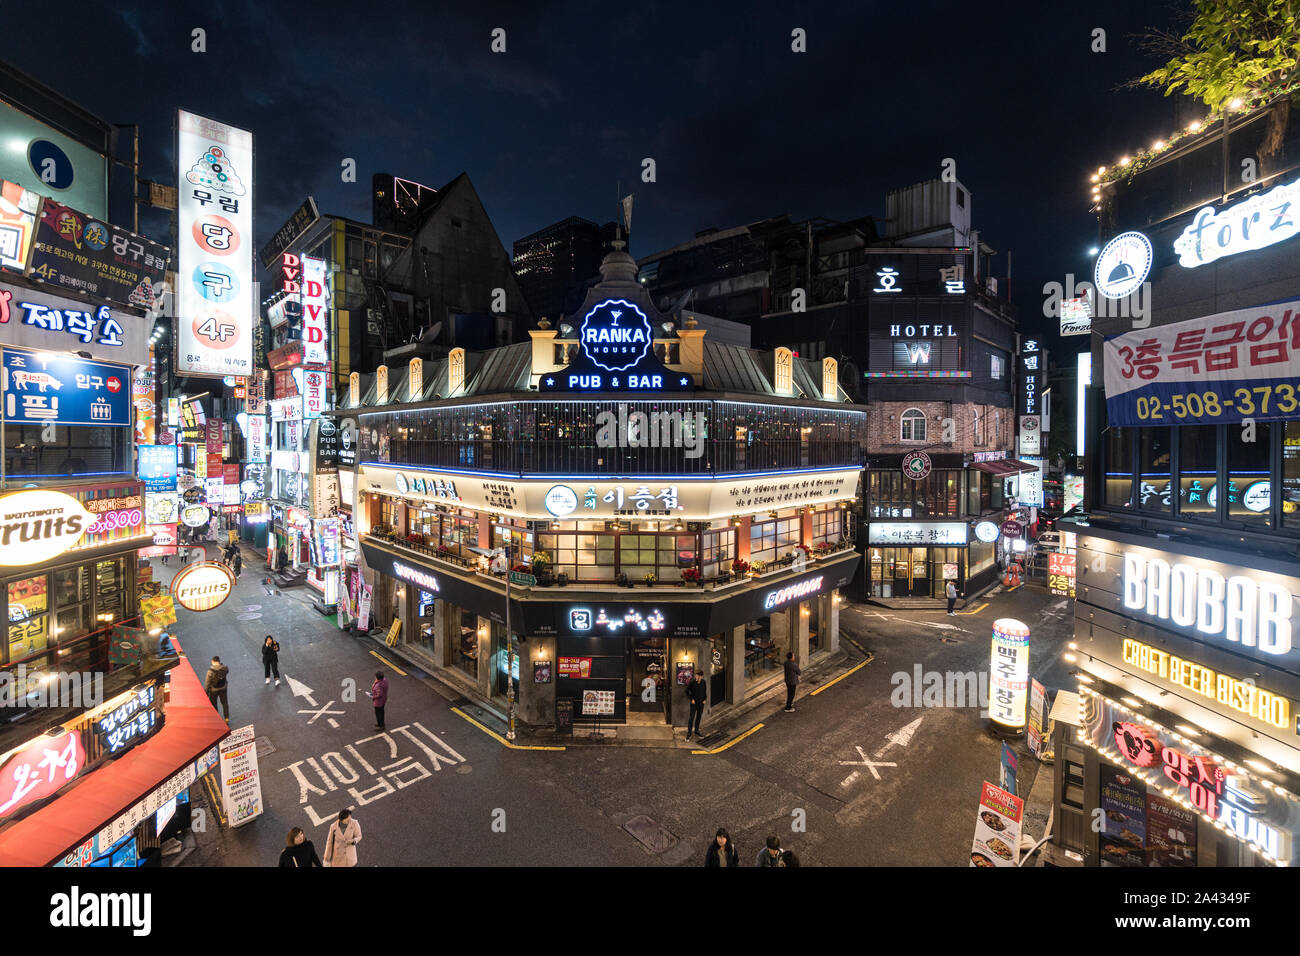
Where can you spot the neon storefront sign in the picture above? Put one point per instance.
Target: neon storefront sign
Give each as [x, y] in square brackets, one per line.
[415, 576]
[1235, 607]
[615, 335]
[1256, 223]
[782, 596]
[584, 619]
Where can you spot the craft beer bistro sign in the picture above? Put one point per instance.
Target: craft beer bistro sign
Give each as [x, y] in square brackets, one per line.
[203, 586]
[615, 353]
[38, 525]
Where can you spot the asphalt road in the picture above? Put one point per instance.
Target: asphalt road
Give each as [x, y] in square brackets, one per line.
[436, 790]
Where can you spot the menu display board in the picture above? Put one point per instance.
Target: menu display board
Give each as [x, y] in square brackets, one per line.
[241, 786]
[1124, 825]
[997, 828]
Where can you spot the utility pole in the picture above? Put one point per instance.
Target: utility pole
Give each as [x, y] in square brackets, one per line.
[510, 649]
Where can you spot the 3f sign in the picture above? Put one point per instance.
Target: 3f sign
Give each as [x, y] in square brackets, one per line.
[1238, 608]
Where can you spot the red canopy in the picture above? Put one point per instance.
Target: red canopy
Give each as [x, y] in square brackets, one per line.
[192, 727]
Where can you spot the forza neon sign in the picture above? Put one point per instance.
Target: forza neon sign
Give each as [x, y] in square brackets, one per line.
[1255, 223]
[1236, 608]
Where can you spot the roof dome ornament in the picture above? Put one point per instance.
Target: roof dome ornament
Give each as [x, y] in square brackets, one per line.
[618, 265]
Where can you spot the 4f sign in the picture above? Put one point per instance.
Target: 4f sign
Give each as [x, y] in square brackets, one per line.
[1258, 222]
[1124, 264]
[38, 525]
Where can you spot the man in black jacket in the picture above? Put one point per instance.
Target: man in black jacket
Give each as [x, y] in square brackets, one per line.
[792, 673]
[695, 692]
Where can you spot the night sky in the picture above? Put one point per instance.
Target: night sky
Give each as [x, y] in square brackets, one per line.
[741, 128]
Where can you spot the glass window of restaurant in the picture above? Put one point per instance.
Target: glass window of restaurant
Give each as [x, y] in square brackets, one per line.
[718, 550]
[773, 539]
[1197, 470]
[467, 637]
[1118, 463]
[945, 566]
[1155, 477]
[1291, 475]
[1249, 468]
[518, 536]
[828, 526]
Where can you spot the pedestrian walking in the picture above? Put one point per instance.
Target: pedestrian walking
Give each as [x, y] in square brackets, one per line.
[952, 597]
[378, 694]
[695, 693]
[341, 844]
[788, 858]
[185, 556]
[298, 851]
[792, 674]
[215, 685]
[271, 659]
[237, 564]
[722, 852]
[770, 853]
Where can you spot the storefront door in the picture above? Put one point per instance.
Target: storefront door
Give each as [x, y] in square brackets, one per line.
[647, 690]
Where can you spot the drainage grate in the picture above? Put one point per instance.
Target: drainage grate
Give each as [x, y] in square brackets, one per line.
[264, 746]
[650, 834]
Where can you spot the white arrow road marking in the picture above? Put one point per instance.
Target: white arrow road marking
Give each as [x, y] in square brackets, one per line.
[943, 626]
[901, 737]
[302, 690]
[865, 762]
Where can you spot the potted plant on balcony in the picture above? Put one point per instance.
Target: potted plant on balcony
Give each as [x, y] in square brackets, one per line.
[415, 538]
[542, 568]
[691, 576]
[650, 580]
[739, 568]
[757, 568]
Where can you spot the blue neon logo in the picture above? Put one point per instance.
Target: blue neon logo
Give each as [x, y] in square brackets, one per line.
[614, 332]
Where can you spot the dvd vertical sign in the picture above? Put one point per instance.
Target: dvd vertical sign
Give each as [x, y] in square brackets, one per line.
[315, 314]
[216, 304]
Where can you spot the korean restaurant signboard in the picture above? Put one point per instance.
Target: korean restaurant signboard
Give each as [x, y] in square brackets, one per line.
[216, 305]
[1227, 367]
[997, 828]
[78, 252]
[39, 320]
[1221, 792]
[548, 499]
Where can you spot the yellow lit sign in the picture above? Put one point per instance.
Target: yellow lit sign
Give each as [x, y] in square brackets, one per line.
[1242, 696]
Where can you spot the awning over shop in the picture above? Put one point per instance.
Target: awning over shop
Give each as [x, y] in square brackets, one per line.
[191, 728]
[1003, 467]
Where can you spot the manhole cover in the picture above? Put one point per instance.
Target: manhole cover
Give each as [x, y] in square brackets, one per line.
[650, 834]
[249, 617]
[264, 746]
[253, 607]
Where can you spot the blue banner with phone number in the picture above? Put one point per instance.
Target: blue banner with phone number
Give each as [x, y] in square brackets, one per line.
[1228, 367]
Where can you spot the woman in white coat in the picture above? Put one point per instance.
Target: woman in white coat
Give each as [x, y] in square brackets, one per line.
[341, 844]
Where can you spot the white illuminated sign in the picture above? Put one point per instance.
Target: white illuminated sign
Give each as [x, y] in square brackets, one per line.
[918, 532]
[1009, 673]
[1123, 265]
[1236, 608]
[415, 576]
[216, 304]
[315, 314]
[38, 525]
[1257, 222]
[886, 279]
[987, 532]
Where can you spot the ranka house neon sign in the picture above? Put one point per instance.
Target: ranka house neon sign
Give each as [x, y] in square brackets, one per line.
[1256, 223]
[616, 353]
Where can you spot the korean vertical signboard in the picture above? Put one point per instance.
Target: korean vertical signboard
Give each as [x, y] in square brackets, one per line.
[216, 299]
[1033, 376]
[315, 312]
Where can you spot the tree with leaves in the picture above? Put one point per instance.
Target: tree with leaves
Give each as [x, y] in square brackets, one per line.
[1233, 53]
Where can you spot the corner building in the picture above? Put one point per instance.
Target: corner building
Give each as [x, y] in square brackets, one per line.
[1185, 731]
[669, 505]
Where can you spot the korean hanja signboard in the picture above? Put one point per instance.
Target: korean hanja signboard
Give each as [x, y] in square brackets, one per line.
[78, 252]
[217, 306]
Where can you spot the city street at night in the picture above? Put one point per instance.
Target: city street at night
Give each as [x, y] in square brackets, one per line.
[506, 439]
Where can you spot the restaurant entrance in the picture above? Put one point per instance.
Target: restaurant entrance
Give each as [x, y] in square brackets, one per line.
[647, 676]
[900, 572]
